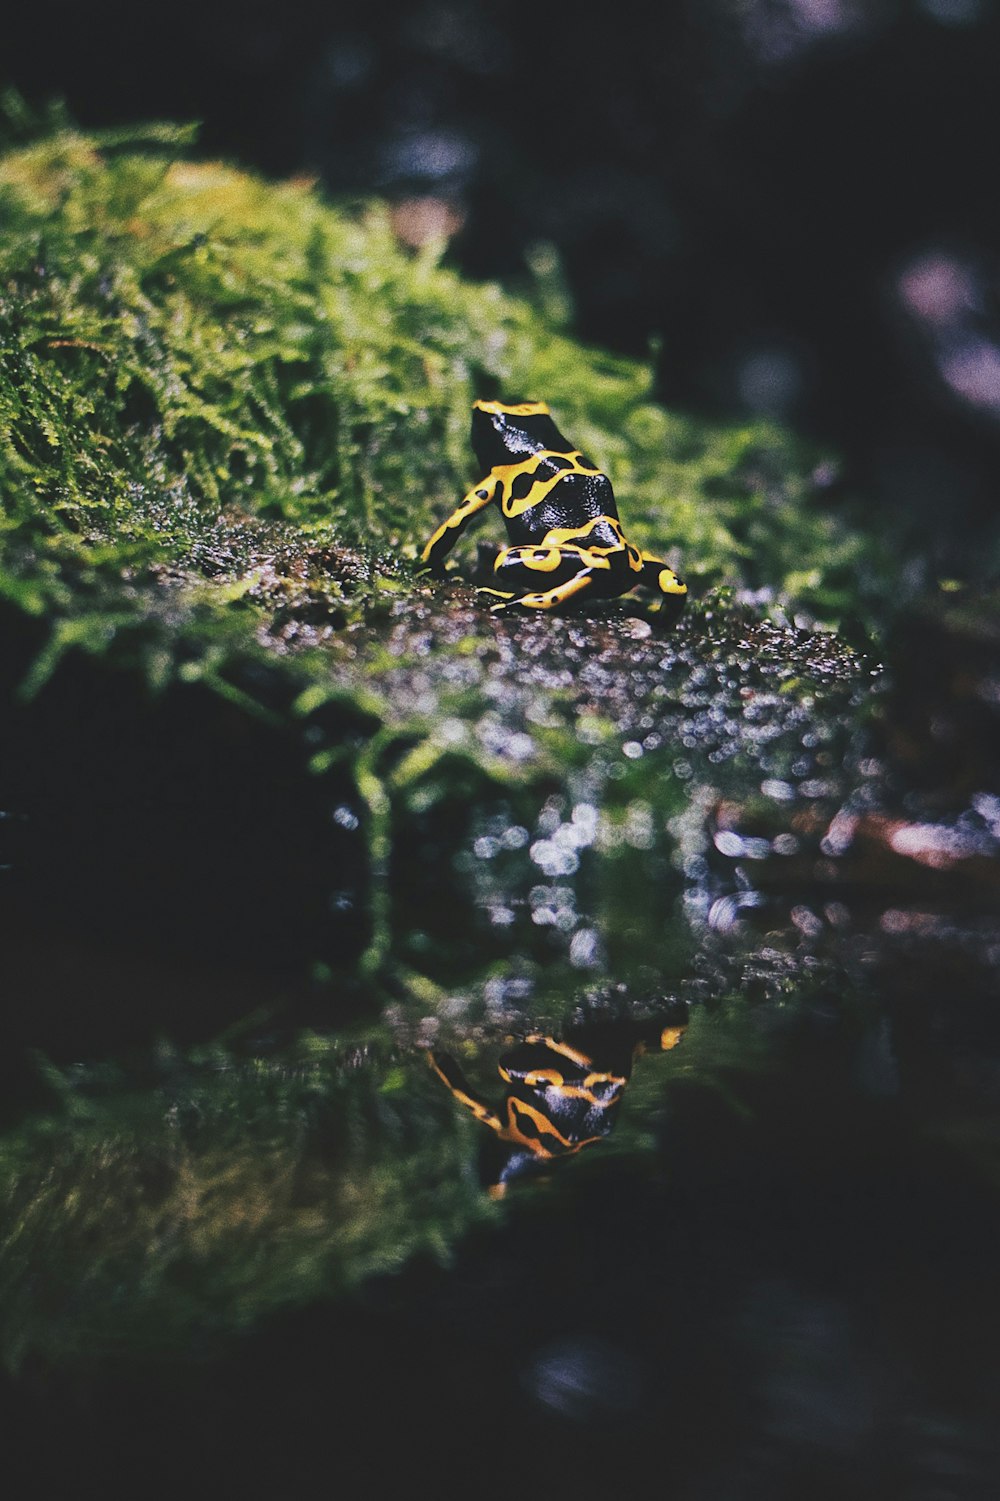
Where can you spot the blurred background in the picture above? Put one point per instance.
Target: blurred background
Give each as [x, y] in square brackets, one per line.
[789, 202]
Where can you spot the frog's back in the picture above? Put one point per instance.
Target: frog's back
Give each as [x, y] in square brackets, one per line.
[547, 484]
[563, 501]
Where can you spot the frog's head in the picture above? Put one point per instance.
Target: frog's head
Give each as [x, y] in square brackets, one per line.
[503, 433]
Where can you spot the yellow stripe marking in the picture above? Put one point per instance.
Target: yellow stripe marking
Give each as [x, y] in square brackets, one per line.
[588, 558]
[518, 409]
[478, 1109]
[544, 1076]
[573, 1054]
[508, 473]
[532, 1143]
[511, 1132]
[572, 534]
[546, 561]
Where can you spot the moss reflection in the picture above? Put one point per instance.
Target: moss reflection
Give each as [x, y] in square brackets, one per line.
[151, 1222]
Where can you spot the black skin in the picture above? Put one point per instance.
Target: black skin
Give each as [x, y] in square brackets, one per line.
[559, 1098]
[566, 539]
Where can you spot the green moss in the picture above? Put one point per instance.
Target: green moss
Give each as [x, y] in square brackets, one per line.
[187, 349]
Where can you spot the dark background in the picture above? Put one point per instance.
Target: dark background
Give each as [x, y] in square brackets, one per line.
[792, 201]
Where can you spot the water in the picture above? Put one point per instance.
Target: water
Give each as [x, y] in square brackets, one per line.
[249, 1239]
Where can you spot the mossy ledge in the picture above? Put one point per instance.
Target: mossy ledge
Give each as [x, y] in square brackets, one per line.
[230, 413]
[198, 366]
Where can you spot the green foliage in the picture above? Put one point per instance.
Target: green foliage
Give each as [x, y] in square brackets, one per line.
[186, 347]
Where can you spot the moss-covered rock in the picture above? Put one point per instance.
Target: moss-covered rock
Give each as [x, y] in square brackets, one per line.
[190, 353]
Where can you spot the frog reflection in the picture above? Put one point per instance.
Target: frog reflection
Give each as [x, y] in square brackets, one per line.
[561, 1096]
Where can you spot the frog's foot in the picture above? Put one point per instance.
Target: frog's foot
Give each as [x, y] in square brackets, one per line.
[566, 571]
[670, 591]
[502, 600]
[551, 599]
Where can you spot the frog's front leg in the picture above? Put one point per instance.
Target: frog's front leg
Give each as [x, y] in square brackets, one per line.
[567, 571]
[450, 1074]
[448, 533]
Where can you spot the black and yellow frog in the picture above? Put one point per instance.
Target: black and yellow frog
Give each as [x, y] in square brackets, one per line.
[566, 539]
[559, 1098]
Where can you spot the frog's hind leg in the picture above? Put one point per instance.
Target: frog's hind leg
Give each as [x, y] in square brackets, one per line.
[672, 591]
[566, 571]
[552, 599]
